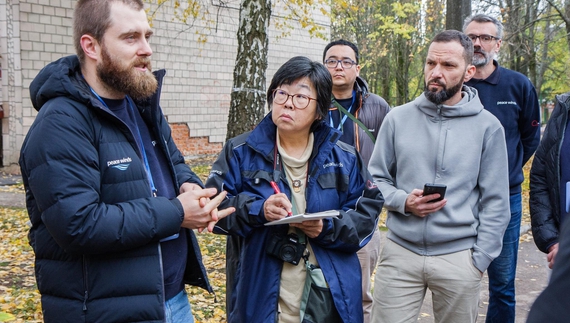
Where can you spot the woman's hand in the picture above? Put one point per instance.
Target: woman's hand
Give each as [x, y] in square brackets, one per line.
[312, 228]
[276, 207]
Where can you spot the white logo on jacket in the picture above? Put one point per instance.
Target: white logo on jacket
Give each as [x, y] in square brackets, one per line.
[120, 164]
[333, 165]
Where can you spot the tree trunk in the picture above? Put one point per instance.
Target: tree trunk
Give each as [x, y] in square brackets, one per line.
[248, 96]
[457, 11]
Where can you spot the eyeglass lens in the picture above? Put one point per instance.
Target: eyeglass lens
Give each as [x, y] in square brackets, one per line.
[299, 101]
[483, 38]
[345, 63]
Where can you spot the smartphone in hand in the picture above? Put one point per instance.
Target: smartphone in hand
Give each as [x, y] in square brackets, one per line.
[430, 188]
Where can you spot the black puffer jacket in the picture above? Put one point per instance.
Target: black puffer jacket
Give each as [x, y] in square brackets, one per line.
[95, 225]
[544, 200]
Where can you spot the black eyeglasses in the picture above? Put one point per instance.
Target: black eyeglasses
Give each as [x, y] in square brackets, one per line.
[300, 101]
[345, 63]
[485, 39]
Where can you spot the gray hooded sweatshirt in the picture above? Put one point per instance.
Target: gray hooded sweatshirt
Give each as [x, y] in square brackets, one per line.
[461, 146]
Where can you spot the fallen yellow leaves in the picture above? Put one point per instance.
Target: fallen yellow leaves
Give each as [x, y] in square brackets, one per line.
[20, 299]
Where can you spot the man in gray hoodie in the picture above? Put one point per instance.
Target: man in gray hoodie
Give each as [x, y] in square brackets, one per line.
[445, 137]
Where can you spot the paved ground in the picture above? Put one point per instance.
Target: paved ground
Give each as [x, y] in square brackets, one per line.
[532, 271]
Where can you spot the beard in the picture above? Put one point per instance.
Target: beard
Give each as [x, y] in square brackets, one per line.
[438, 97]
[478, 60]
[127, 79]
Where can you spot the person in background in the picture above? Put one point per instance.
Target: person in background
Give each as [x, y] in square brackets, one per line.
[511, 97]
[444, 136]
[111, 202]
[553, 304]
[549, 177]
[293, 163]
[358, 114]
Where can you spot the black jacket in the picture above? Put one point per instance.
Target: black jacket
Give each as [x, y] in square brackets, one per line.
[553, 304]
[544, 199]
[95, 225]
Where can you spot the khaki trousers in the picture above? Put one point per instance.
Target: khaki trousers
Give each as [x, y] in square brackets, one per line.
[368, 257]
[402, 278]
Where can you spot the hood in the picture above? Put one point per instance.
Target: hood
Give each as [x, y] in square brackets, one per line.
[361, 86]
[59, 78]
[564, 100]
[63, 78]
[468, 106]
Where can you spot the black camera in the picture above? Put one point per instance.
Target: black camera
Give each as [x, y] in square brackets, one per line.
[286, 248]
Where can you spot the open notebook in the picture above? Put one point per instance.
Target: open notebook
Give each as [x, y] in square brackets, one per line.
[306, 216]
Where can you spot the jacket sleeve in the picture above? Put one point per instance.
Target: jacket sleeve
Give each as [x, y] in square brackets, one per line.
[544, 226]
[493, 207]
[529, 124]
[226, 175]
[61, 167]
[544, 223]
[382, 166]
[359, 213]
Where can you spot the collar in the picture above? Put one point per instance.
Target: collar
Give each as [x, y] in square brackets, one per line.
[492, 79]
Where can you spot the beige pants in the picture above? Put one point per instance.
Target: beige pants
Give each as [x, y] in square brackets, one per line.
[368, 257]
[403, 277]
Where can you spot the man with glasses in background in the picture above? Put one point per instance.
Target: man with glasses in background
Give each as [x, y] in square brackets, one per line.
[511, 97]
[358, 114]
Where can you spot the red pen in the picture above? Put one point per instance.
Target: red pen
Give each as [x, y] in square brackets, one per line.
[277, 191]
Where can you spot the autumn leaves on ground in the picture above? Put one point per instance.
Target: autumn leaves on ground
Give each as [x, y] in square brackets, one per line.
[20, 300]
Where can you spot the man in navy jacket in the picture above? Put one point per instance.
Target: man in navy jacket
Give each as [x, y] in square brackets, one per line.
[511, 97]
[110, 199]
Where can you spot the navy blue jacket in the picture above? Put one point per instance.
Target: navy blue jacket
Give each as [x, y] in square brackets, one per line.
[511, 97]
[338, 180]
[95, 225]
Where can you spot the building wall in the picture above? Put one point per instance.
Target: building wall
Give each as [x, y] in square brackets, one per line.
[199, 58]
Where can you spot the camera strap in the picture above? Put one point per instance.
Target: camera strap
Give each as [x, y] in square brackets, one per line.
[303, 240]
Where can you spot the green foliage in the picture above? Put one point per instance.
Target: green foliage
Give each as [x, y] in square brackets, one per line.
[392, 38]
[198, 15]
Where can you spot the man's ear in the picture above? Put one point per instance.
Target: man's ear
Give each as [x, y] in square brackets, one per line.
[469, 72]
[90, 46]
[498, 45]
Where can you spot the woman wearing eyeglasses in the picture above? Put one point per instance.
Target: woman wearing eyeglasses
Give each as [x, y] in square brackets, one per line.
[293, 163]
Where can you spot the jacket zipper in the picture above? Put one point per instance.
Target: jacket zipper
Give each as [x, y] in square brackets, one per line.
[85, 284]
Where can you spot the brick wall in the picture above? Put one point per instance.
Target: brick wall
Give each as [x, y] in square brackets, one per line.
[193, 146]
[199, 60]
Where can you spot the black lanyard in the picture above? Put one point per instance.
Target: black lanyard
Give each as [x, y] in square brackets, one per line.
[278, 167]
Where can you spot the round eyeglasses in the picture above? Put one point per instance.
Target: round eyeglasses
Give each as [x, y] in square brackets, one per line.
[485, 39]
[345, 63]
[300, 101]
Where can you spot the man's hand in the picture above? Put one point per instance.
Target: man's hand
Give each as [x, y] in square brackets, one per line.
[276, 207]
[552, 251]
[186, 187]
[198, 216]
[312, 228]
[419, 205]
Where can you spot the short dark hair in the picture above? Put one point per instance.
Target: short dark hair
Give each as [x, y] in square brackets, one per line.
[342, 42]
[482, 18]
[299, 67]
[448, 36]
[93, 17]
